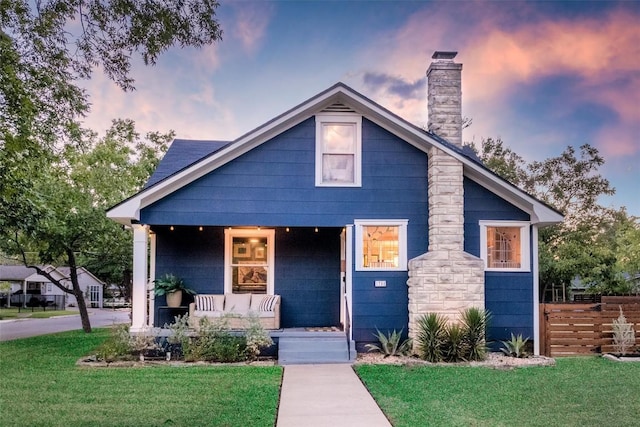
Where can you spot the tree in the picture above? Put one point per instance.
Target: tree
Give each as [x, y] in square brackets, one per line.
[67, 223]
[587, 245]
[46, 49]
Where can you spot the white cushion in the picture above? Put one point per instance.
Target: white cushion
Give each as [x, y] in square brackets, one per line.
[256, 299]
[237, 303]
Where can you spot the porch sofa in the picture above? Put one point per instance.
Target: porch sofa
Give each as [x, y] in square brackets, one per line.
[236, 306]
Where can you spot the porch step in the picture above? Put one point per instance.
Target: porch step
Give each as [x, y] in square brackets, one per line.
[315, 350]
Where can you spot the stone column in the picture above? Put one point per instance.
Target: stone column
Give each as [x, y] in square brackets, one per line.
[446, 279]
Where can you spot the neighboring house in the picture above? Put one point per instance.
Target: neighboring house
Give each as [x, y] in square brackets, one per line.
[25, 281]
[336, 200]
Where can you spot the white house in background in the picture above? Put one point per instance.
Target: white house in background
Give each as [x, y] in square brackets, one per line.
[25, 281]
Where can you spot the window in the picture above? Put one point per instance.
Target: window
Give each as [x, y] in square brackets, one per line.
[504, 246]
[338, 150]
[249, 261]
[381, 245]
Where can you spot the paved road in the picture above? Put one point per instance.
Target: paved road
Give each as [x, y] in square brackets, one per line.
[22, 328]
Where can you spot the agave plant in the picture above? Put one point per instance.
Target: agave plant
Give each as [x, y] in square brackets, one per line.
[391, 344]
[431, 336]
[516, 346]
[475, 321]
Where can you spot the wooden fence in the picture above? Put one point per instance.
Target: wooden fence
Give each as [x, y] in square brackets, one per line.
[577, 329]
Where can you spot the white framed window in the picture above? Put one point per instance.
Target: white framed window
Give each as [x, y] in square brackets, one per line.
[505, 245]
[381, 244]
[249, 261]
[338, 150]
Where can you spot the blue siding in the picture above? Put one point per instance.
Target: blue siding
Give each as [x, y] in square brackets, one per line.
[274, 186]
[307, 276]
[508, 296]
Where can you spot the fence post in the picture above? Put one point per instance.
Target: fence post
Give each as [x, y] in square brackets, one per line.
[543, 330]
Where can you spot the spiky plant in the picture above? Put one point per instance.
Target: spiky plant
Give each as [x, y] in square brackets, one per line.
[431, 336]
[516, 346]
[391, 344]
[455, 348]
[475, 321]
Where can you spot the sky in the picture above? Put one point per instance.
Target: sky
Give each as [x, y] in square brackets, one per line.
[540, 75]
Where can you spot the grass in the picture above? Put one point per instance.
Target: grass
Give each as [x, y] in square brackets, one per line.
[38, 313]
[42, 386]
[588, 391]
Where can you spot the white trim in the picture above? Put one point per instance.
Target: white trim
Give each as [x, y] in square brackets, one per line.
[129, 209]
[525, 239]
[323, 119]
[349, 276]
[139, 287]
[229, 234]
[536, 292]
[402, 243]
[152, 278]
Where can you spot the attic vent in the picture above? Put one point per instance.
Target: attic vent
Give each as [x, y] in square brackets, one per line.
[338, 108]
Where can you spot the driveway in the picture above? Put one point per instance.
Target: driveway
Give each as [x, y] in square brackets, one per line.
[22, 328]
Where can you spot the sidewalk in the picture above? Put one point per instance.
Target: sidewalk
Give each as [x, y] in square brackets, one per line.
[326, 395]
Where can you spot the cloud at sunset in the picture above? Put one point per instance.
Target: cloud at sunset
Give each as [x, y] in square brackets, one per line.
[599, 55]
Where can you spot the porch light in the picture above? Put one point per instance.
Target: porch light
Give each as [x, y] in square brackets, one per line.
[316, 230]
[200, 228]
[287, 229]
[171, 228]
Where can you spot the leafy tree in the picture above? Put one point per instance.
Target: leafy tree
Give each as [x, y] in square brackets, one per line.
[47, 47]
[594, 243]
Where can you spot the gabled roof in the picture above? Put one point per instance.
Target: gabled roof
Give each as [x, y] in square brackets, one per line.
[165, 182]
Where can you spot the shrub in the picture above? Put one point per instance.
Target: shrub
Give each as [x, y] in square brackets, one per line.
[475, 321]
[390, 344]
[431, 336]
[516, 346]
[454, 347]
[624, 337]
[256, 337]
[117, 346]
[215, 343]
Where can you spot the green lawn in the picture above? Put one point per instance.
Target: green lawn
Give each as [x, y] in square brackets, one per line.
[40, 385]
[37, 313]
[586, 391]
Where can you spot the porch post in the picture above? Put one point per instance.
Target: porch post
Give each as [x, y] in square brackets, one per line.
[536, 291]
[349, 277]
[152, 277]
[139, 290]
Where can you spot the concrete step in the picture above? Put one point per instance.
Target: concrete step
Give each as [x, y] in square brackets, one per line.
[314, 350]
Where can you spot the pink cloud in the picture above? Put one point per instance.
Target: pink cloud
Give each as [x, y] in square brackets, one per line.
[251, 23]
[508, 49]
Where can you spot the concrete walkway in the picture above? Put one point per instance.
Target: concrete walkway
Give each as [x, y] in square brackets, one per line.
[328, 396]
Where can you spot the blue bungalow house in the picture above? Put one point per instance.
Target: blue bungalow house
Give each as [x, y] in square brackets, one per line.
[351, 214]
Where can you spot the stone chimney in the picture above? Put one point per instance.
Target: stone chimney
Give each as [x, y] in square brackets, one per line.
[444, 95]
[445, 279]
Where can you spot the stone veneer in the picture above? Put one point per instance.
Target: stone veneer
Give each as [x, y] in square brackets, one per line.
[446, 279]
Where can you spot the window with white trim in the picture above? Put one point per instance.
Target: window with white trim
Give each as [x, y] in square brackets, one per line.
[505, 245]
[338, 150]
[381, 244]
[249, 259]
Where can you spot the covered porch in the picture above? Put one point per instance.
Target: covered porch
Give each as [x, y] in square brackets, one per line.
[305, 266]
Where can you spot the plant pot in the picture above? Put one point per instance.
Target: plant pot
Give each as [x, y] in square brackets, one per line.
[174, 299]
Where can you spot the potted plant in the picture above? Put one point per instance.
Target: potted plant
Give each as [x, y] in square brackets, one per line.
[172, 287]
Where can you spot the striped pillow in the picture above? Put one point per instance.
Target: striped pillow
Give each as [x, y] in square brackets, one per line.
[205, 302]
[268, 303]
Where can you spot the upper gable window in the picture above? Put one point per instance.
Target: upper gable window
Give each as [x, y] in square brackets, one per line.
[338, 150]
